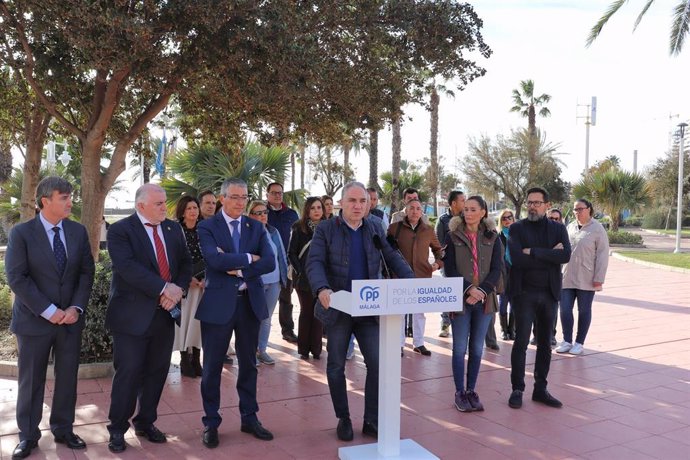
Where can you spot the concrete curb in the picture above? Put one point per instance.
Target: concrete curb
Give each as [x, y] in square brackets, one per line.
[649, 264]
[86, 371]
[654, 232]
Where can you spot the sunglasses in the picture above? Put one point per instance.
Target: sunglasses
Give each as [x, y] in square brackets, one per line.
[507, 218]
[259, 213]
[557, 219]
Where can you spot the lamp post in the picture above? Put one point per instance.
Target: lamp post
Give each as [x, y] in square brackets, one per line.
[679, 211]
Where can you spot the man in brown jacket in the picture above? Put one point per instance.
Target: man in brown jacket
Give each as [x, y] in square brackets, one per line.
[415, 238]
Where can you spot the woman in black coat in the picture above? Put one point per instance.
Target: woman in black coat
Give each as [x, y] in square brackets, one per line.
[310, 329]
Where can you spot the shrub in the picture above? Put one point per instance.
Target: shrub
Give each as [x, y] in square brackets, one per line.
[624, 238]
[96, 342]
[633, 221]
[5, 299]
[656, 219]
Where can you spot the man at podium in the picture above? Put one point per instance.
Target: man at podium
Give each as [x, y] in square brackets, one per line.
[345, 248]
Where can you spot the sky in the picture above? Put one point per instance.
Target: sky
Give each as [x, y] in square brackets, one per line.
[642, 93]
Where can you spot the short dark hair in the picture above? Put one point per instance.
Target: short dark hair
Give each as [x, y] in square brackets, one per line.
[51, 184]
[544, 193]
[453, 195]
[410, 191]
[372, 190]
[588, 204]
[182, 206]
[268, 187]
[204, 193]
[556, 210]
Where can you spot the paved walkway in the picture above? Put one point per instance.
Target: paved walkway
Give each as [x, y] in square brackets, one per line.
[659, 242]
[627, 397]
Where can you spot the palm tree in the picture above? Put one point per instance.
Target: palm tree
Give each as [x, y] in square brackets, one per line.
[527, 104]
[614, 191]
[679, 27]
[205, 167]
[395, 189]
[434, 101]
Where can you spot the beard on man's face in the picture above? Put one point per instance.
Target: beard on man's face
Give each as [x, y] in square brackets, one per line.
[534, 216]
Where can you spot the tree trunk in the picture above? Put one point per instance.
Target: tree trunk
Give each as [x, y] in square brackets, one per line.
[36, 134]
[302, 161]
[347, 147]
[374, 158]
[433, 150]
[292, 169]
[395, 163]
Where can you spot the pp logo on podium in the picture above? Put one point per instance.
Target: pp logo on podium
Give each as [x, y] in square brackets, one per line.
[369, 293]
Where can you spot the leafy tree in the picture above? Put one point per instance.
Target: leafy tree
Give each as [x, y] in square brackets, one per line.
[435, 171]
[24, 125]
[331, 172]
[662, 178]
[504, 165]
[614, 191]
[205, 167]
[410, 176]
[679, 25]
[526, 103]
[610, 162]
[105, 70]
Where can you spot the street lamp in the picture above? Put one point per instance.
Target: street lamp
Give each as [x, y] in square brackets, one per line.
[679, 211]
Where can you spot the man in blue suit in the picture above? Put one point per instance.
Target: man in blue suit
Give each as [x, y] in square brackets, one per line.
[151, 268]
[237, 253]
[50, 270]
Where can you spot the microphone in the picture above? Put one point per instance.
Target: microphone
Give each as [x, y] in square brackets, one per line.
[379, 245]
[393, 242]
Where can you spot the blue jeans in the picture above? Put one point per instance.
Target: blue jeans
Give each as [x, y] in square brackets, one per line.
[584, 313]
[468, 327]
[271, 291]
[366, 330]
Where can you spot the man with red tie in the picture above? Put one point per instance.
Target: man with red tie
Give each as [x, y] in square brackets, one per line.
[150, 264]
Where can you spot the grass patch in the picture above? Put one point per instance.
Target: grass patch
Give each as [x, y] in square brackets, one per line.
[684, 232]
[681, 260]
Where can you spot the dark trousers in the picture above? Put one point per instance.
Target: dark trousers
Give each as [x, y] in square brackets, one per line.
[366, 331]
[539, 307]
[34, 352]
[310, 330]
[287, 324]
[214, 340]
[141, 368]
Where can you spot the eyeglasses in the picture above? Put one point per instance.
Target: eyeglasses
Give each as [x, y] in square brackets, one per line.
[259, 213]
[507, 218]
[579, 209]
[238, 197]
[275, 193]
[557, 219]
[535, 203]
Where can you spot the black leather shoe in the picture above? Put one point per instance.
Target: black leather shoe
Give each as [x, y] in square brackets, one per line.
[24, 449]
[258, 431]
[515, 400]
[71, 440]
[210, 437]
[152, 433]
[290, 337]
[370, 429]
[422, 350]
[344, 430]
[545, 397]
[117, 443]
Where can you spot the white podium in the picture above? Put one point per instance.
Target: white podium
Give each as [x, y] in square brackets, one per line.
[390, 299]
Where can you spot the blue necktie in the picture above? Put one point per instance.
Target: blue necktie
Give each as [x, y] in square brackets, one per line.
[235, 234]
[59, 250]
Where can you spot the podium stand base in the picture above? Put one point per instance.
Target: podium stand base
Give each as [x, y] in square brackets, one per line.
[409, 450]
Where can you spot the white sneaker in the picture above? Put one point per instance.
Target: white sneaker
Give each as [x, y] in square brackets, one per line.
[576, 349]
[565, 347]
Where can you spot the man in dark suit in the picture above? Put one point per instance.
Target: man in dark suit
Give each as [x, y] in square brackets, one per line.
[237, 253]
[150, 264]
[50, 270]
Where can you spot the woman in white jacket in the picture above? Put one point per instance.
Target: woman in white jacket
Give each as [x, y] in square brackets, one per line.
[583, 275]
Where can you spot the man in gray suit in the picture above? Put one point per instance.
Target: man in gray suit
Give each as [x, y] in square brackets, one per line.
[50, 270]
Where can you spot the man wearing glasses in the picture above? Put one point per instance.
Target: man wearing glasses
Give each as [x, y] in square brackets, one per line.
[282, 217]
[538, 246]
[237, 253]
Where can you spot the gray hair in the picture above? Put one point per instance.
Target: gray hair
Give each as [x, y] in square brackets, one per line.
[143, 192]
[232, 181]
[353, 184]
[51, 184]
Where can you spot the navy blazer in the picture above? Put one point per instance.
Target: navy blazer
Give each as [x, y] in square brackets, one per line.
[219, 300]
[33, 275]
[137, 284]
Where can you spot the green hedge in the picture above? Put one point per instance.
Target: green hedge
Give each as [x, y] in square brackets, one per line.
[656, 219]
[624, 238]
[96, 342]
